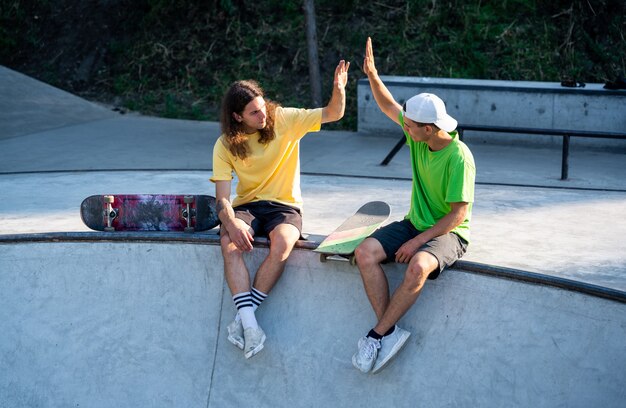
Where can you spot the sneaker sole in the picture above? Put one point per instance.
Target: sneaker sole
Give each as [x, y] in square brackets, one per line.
[357, 367]
[257, 348]
[236, 342]
[398, 346]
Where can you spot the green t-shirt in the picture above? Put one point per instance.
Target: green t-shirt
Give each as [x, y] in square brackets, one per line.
[440, 178]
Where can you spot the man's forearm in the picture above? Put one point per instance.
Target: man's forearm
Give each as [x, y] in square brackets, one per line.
[337, 105]
[225, 211]
[445, 225]
[382, 96]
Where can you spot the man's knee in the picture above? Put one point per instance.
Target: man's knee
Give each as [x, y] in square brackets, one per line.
[228, 247]
[282, 240]
[369, 252]
[420, 267]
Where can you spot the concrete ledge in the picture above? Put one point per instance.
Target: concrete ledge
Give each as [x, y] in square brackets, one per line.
[312, 241]
[545, 105]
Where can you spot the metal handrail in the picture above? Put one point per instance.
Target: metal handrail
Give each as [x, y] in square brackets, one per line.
[566, 134]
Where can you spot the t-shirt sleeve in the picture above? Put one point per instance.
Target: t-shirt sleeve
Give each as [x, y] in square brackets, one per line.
[295, 123]
[461, 183]
[222, 168]
[406, 134]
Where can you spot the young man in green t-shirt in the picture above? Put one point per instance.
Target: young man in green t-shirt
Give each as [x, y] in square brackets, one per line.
[435, 232]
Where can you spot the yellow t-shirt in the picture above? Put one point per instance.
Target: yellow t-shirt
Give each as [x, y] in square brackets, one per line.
[272, 171]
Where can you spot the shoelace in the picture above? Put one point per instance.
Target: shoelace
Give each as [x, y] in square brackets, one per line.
[370, 348]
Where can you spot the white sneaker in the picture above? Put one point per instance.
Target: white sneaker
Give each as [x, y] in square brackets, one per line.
[254, 339]
[365, 357]
[235, 333]
[389, 347]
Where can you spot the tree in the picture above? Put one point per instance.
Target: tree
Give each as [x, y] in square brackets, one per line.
[314, 66]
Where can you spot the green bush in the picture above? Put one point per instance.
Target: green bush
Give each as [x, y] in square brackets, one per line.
[176, 58]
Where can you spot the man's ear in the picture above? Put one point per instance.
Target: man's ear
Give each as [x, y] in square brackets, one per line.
[237, 117]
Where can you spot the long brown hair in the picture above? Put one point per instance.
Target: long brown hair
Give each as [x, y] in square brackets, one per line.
[235, 100]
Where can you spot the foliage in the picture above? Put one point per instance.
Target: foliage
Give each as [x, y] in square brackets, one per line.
[175, 58]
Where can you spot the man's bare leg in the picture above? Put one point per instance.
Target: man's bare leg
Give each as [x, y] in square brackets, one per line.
[369, 255]
[420, 266]
[238, 280]
[386, 339]
[282, 240]
[235, 270]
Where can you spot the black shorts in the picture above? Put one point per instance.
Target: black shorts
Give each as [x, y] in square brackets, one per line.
[446, 248]
[264, 216]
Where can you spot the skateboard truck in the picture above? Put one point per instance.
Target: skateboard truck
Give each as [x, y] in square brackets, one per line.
[337, 257]
[189, 213]
[110, 213]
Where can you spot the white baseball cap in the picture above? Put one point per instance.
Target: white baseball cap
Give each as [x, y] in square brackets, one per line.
[429, 108]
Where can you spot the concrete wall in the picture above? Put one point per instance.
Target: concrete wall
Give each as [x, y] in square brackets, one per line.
[506, 103]
[131, 324]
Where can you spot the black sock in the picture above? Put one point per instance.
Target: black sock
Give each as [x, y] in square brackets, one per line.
[390, 331]
[374, 335]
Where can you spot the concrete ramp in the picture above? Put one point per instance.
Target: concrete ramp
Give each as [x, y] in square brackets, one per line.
[29, 106]
[132, 324]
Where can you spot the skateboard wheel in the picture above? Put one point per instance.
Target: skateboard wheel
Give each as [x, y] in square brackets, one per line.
[189, 229]
[109, 199]
[188, 199]
[323, 258]
[109, 229]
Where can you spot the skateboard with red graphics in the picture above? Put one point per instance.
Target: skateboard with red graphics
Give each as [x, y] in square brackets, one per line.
[342, 242]
[149, 212]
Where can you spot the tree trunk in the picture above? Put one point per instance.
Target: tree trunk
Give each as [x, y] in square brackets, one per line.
[314, 66]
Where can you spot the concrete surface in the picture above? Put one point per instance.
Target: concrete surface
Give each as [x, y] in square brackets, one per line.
[542, 227]
[22, 101]
[132, 324]
[142, 324]
[524, 216]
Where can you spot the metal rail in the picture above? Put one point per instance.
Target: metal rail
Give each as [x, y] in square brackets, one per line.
[566, 134]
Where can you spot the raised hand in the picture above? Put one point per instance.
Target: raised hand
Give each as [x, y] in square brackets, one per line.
[341, 74]
[368, 61]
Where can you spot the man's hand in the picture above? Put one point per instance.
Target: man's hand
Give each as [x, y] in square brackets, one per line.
[236, 229]
[341, 75]
[240, 236]
[458, 212]
[408, 249]
[368, 63]
[337, 104]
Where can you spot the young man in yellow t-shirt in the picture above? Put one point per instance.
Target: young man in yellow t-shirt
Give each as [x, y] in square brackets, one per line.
[260, 144]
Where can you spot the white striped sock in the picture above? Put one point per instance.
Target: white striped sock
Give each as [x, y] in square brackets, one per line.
[245, 309]
[257, 297]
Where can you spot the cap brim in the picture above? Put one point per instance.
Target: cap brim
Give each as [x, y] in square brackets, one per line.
[447, 124]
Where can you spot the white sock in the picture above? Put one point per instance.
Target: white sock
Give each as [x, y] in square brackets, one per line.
[245, 310]
[248, 319]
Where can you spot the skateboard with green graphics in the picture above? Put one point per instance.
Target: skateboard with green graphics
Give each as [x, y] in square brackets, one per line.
[149, 212]
[342, 242]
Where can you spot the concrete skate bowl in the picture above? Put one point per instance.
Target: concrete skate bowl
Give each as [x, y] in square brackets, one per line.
[88, 321]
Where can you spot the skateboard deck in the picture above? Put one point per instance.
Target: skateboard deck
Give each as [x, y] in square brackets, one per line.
[342, 242]
[149, 212]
